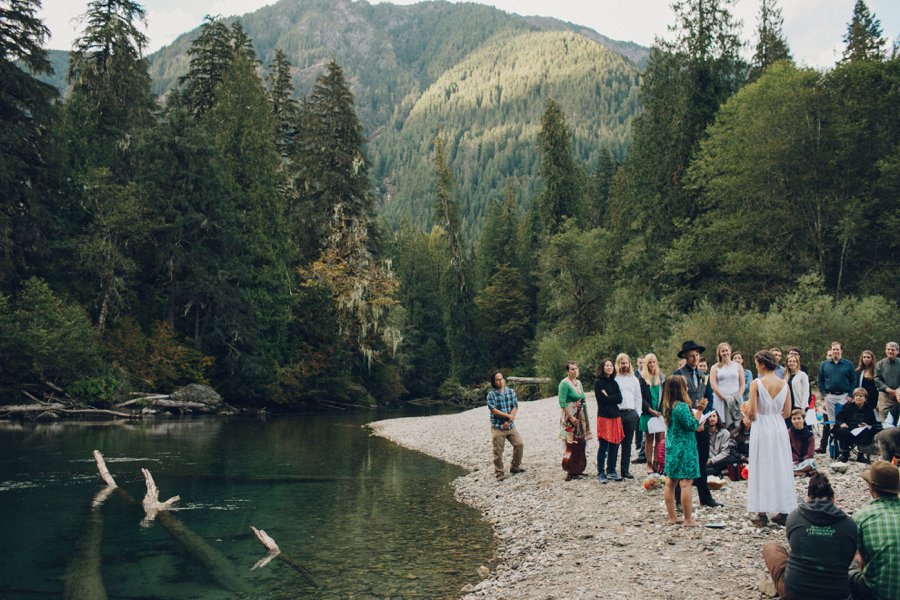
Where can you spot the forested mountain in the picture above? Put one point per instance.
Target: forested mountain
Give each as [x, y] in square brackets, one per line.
[489, 108]
[398, 59]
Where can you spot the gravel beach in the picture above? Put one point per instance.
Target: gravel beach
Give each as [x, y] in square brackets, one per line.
[580, 539]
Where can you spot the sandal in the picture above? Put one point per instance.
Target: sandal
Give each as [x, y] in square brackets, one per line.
[780, 519]
[760, 520]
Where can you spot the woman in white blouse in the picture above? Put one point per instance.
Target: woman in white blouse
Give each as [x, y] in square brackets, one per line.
[629, 409]
[799, 382]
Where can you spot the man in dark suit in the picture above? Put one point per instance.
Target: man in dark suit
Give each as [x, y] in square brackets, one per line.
[698, 387]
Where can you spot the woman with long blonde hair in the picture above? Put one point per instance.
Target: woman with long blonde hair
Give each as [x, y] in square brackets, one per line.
[727, 381]
[654, 379]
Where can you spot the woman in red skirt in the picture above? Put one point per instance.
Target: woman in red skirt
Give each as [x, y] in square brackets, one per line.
[609, 424]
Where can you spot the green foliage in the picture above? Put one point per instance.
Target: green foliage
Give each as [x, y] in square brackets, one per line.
[97, 391]
[45, 338]
[503, 311]
[451, 390]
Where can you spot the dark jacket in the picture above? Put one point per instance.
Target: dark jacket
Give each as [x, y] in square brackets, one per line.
[854, 416]
[607, 403]
[823, 542]
[803, 444]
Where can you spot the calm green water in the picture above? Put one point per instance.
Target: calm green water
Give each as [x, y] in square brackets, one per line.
[366, 517]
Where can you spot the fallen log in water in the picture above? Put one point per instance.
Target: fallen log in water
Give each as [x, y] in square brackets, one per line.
[532, 380]
[217, 566]
[273, 552]
[57, 408]
[83, 579]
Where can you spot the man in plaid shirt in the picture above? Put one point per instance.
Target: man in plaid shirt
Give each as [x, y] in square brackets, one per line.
[878, 536]
[503, 404]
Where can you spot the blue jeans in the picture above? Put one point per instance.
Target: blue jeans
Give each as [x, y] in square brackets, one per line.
[607, 453]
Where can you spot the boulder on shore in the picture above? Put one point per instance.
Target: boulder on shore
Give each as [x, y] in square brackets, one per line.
[201, 394]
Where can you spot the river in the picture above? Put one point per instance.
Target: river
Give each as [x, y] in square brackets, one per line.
[367, 518]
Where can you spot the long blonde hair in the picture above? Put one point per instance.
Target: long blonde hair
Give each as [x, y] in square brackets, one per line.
[719, 351]
[645, 372]
[619, 357]
[674, 391]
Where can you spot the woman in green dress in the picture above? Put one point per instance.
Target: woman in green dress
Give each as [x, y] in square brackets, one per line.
[682, 462]
[653, 376]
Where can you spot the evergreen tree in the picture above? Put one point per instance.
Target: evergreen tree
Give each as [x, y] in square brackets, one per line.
[499, 244]
[110, 95]
[863, 37]
[459, 314]
[559, 173]
[771, 45]
[285, 108]
[330, 166]
[212, 53]
[26, 113]
[598, 188]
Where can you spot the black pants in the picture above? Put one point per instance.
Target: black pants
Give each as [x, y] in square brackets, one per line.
[702, 438]
[630, 421]
[846, 439]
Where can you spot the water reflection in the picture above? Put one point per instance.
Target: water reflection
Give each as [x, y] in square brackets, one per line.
[369, 519]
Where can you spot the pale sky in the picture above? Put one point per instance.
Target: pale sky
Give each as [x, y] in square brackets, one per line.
[814, 28]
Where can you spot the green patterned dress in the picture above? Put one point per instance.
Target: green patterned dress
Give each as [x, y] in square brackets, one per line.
[682, 461]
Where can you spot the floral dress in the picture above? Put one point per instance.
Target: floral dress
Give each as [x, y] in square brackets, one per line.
[682, 460]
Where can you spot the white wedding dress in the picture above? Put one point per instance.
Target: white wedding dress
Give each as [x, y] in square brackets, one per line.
[771, 468]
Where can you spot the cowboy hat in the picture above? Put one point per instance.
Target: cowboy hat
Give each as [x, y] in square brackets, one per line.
[688, 346]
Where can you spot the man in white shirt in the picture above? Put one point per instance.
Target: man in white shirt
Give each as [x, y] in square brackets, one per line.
[629, 409]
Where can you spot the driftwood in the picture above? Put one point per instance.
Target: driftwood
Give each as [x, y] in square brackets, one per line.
[217, 566]
[164, 401]
[273, 552]
[58, 408]
[530, 380]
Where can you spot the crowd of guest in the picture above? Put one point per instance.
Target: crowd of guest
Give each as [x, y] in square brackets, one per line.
[720, 420]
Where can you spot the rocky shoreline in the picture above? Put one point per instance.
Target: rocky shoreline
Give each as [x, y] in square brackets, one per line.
[580, 539]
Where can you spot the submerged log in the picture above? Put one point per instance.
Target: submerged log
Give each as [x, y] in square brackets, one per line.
[273, 552]
[219, 569]
[83, 579]
[58, 408]
[152, 505]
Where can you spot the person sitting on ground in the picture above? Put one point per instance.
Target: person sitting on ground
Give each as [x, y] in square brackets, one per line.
[823, 544]
[720, 446]
[803, 445]
[877, 574]
[854, 415]
[741, 438]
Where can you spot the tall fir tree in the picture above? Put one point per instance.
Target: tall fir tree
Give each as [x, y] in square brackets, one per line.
[280, 90]
[110, 95]
[212, 53]
[459, 314]
[27, 113]
[559, 173]
[329, 162]
[863, 37]
[771, 45]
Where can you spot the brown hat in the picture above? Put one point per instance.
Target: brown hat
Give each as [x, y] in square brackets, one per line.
[884, 477]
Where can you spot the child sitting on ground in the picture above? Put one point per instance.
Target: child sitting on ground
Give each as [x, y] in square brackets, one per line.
[803, 445]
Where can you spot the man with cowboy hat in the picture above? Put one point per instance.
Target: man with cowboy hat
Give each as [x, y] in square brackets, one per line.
[878, 533]
[698, 387]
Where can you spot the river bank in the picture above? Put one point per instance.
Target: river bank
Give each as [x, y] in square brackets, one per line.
[578, 539]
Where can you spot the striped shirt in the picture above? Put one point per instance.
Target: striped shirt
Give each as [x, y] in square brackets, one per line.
[503, 400]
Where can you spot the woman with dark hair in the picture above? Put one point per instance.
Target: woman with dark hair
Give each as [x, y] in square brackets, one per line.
[609, 424]
[682, 462]
[823, 542]
[771, 473]
[573, 421]
[865, 377]
[738, 357]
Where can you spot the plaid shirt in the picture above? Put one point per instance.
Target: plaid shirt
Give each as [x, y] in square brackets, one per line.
[878, 533]
[503, 400]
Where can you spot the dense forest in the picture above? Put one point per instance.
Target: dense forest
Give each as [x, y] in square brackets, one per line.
[230, 233]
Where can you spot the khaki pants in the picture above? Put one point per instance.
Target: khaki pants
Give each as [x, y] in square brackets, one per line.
[885, 403]
[776, 558]
[498, 439]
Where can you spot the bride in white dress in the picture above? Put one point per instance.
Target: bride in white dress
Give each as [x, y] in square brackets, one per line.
[771, 477]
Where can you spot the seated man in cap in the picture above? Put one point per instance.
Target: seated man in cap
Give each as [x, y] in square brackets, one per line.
[878, 535]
